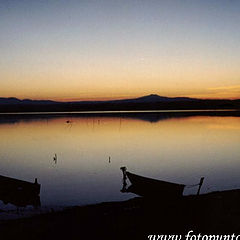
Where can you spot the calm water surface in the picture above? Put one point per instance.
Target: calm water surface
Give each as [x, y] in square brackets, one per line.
[178, 149]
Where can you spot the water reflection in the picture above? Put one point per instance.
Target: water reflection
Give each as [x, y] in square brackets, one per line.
[176, 147]
[148, 116]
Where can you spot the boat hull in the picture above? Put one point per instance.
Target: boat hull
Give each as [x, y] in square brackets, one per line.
[153, 188]
[18, 192]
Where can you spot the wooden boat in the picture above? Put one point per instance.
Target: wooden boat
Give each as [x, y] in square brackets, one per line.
[18, 192]
[149, 187]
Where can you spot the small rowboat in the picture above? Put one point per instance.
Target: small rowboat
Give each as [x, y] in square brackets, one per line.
[148, 187]
[18, 192]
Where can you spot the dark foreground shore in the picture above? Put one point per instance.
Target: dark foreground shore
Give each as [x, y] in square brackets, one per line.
[213, 213]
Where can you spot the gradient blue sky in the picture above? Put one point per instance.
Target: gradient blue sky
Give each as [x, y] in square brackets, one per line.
[65, 49]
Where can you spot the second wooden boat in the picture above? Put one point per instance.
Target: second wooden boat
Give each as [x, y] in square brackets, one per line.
[149, 187]
[18, 192]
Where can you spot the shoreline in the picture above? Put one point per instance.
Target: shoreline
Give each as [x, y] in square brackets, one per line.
[121, 111]
[215, 213]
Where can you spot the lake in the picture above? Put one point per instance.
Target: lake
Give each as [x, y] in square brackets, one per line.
[177, 146]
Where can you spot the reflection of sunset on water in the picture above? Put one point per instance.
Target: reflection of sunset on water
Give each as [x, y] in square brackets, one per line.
[173, 149]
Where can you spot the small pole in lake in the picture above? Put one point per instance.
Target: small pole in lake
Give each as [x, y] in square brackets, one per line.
[55, 158]
[200, 185]
[109, 159]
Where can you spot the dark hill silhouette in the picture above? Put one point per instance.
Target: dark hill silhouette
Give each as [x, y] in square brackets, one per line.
[150, 102]
[157, 98]
[145, 99]
[12, 100]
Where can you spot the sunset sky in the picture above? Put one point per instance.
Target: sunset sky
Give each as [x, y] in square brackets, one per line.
[78, 50]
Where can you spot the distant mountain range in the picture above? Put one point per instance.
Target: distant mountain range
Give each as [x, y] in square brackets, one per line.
[150, 102]
[12, 100]
[144, 99]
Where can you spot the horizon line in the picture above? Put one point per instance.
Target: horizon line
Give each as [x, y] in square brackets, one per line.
[104, 99]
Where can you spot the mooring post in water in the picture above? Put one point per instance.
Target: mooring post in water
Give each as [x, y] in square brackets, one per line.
[124, 169]
[200, 185]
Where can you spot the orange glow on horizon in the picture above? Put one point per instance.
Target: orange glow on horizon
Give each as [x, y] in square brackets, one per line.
[122, 97]
[101, 93]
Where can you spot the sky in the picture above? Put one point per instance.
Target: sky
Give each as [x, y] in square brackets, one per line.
[82, 50]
